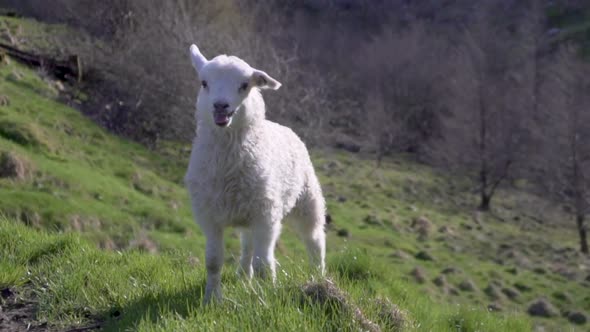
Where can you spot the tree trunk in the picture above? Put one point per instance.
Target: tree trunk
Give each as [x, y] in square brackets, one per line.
[486, 199]
[580, 220]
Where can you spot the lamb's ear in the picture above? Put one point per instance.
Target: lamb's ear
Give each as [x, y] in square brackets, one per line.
[197, 58]
[264, 81]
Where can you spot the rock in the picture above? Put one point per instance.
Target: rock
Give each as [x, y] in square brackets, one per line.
[511, 293]
[332, 165]
[453, 291]
[334, 299]
[565, 272]
[59, 86]
[518, 258]
[454, 247]
[522, 287]
[467, 286]
[494, 307]
[577, 317]
[466, 226]
[13, 166]
[31, 218]
[144, 243]
[391, 315]
[562, 296]
[4, 101]
[424, 256]
[493, 292]
[372, 220]
[401, 255]
[193, 261]
[440, 281]
[348, 146]
[539, 328]
[477, 217]
[450, 270]
[325, 293]
[343, 232]
[108, 244]
[341, 199]
[419, 274]
[6, 293]
[542, 308]
[422, 226]
[446, 230]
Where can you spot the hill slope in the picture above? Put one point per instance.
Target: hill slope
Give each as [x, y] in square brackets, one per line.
[403, 232]
[62, 173]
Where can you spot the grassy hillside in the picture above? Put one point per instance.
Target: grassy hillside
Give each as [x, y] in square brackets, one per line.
[97, 230]
[73, 283]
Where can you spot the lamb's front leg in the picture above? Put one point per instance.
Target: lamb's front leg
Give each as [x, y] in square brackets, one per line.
[265, 238]
[214, 263]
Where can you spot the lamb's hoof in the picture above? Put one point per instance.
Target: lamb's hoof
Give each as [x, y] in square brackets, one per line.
[212, 297]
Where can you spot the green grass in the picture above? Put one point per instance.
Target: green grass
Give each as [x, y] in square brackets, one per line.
[89, 189]
[85, 179]
[49, 39]
[76, 283]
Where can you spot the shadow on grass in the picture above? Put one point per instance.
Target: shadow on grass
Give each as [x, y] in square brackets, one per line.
[149, 308]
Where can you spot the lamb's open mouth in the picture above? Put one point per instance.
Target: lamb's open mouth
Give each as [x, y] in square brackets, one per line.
[222, 118]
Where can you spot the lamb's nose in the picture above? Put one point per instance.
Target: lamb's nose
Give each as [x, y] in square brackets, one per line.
[220, 105]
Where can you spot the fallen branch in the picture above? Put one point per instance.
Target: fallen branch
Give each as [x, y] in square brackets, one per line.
[70, 69]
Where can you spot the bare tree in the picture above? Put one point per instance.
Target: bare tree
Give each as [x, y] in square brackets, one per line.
[486, 133]
[565, 133]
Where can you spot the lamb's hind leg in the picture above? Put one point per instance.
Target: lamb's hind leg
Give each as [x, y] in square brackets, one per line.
[247, 252]
[309, 222]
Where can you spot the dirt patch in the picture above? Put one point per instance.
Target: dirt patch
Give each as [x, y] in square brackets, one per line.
[18, 313]
[327, 293]
[143, 242]
[392, 316]
[423, 227]
[14, 166]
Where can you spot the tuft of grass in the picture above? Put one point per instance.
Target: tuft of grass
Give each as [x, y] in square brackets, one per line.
[26, 134]
[352, 265]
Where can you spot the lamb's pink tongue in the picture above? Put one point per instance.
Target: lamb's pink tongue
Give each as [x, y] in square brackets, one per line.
[221, 118]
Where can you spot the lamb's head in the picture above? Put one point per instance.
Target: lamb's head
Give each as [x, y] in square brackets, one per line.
[226, 83]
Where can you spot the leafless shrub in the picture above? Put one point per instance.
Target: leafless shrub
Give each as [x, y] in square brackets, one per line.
[486, 133]
[401, 72]
[563, 156]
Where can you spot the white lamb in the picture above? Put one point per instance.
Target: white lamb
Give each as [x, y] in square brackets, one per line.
[248, 172]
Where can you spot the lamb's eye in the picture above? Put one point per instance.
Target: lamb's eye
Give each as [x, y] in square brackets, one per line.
[204, 84]
[243, 87]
